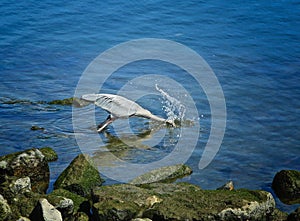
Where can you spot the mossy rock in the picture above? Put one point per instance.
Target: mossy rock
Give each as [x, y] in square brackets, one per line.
[181, 201]
[81, 204]
[80, 176]
[165, 174]
[67, 101]
[76, 102]
[31, 163]
[286, 185]
[49, 153]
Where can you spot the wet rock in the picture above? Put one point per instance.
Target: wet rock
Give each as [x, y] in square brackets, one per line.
[67, 101]
[34, 127]
[286, 185]
[5, 211]
[76, 102]
[227, 186]
[163, 174]
[44, 211]
[80, 176]
[29, 163]
[49, 154]
[68, 203]
[294, 216]
[180, 201]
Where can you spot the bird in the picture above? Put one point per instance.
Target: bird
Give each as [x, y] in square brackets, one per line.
[120, 107]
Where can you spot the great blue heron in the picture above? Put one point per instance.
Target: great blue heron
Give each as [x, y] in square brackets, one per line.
[120, 107]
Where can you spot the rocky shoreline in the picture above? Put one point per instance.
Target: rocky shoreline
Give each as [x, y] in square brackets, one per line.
[79, 194]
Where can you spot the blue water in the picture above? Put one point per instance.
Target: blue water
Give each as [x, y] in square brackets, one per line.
[252, 46]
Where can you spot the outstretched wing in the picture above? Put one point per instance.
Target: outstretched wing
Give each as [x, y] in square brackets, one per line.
[117, 105]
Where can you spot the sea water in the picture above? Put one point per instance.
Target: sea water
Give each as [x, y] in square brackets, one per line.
[252, 47]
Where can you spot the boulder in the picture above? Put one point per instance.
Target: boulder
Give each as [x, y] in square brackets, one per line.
[179, 201]
[68, 203]
[80, 176]
[29, 163]
[286, 185]
[44, 211]
[163, 174]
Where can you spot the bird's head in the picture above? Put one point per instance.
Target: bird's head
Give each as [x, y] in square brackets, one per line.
[171, 122]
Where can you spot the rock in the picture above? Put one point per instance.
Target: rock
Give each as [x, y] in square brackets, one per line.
[49, 153]
[23, 219]
[179, 201]
[34, 127]
[77, 102]
[80, 176]
[68, 203]
[294, 216]
[163, 174]
[21, 185]
[278, 215]
[67, 101]
[19, 196]
[227, 186]
[44, 211]
[141, 219]
[5, 211]
[80, 216]
[29, 163]
[286, 185]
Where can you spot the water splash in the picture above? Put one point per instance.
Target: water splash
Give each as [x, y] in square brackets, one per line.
[174, 109]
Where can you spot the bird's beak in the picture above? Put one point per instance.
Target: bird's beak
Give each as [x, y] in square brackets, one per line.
[171, 122]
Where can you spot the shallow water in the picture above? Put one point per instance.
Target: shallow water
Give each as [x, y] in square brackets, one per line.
[251, 46]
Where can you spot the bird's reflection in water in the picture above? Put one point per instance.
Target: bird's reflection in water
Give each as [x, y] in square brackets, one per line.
[151, 144]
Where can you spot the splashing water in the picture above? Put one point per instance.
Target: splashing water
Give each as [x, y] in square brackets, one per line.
[174, 109]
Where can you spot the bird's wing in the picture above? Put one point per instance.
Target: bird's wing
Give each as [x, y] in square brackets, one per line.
[117, 105]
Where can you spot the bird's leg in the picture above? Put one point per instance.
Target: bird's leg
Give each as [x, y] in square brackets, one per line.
[104, 124]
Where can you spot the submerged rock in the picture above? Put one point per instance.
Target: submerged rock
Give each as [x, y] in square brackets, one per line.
[34, 127]
[286, 185]
[44, 211]
[29, 163]
[163, 174]
[180, 201]
[80, 176]
[76, 102]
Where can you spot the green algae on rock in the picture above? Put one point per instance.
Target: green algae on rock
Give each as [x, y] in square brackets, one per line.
[31, 163]
[286, 185]
[80, 176]
[163, 174]
[76, 102]
[80, 204]
[180, 201]
[49, 153]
